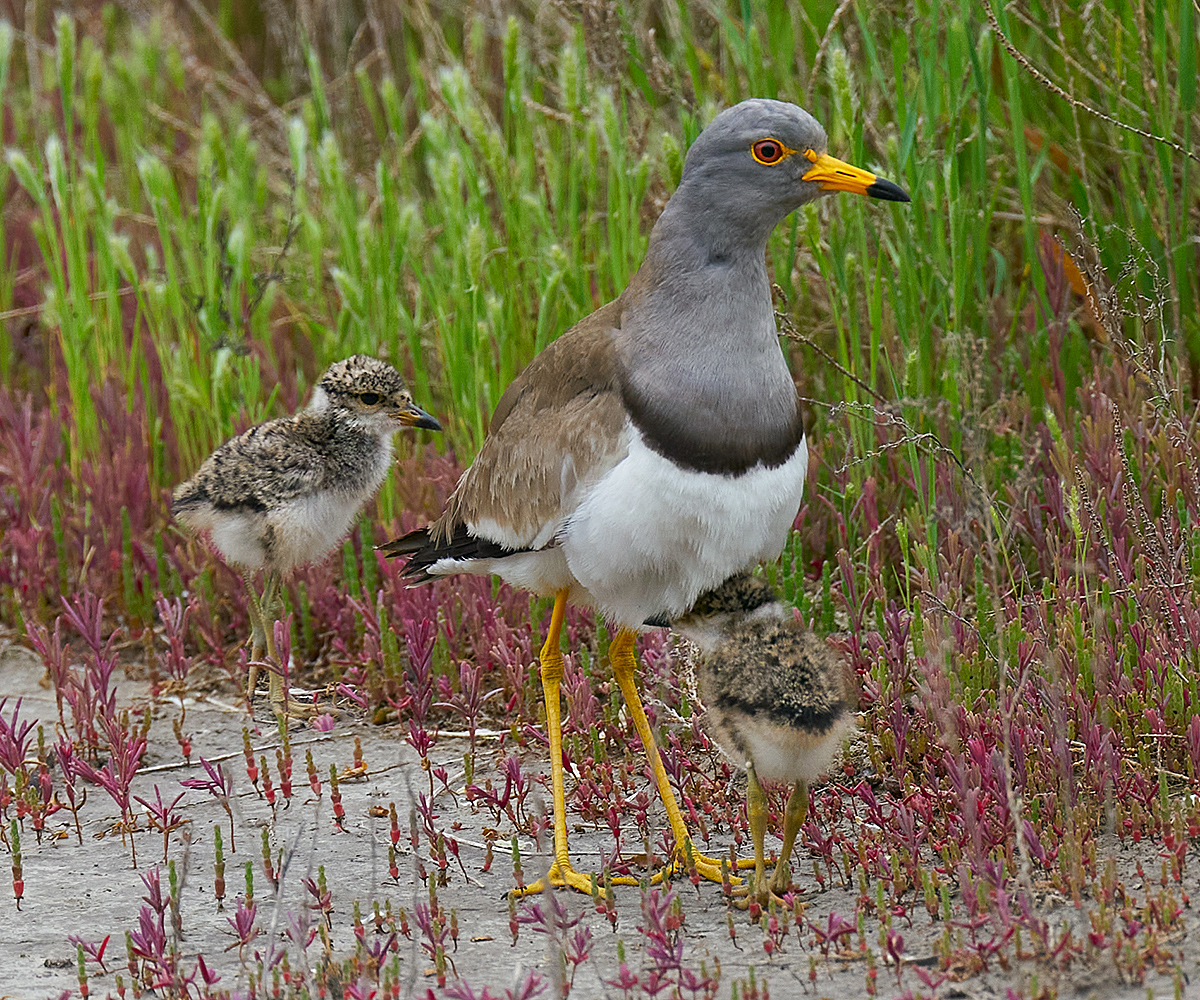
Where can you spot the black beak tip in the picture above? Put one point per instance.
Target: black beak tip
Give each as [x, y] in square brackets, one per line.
[887, 191]
[426, 422]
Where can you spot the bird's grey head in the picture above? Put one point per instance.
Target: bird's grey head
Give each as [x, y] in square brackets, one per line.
[372, 393]
[755, 163]
[754, 145]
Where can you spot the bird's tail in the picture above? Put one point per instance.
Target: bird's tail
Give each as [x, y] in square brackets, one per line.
[406, 545]
[413, 545]
[424, 550]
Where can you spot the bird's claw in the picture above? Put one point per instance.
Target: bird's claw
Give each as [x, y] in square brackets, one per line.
[710, 869]
[563, 875]
[288, 709]
[766, 891]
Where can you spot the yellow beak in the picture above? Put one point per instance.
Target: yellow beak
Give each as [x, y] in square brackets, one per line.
[834, 175]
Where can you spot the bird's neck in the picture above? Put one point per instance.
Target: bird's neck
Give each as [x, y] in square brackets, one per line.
[703, 293]
[362, 453]
[700, 365]
[726, 229]
[330, 429]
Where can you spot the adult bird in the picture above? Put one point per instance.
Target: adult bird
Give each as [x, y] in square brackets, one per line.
[657, 447]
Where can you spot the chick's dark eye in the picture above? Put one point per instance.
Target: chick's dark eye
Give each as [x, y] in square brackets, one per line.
[369, 398]
[768, 151]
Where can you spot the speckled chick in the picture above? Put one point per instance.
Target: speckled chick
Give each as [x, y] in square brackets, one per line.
[776, 693]
[778, 699]
[283, 493]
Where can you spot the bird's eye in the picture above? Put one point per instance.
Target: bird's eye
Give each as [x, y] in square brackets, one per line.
[769, 151]
[369, 398]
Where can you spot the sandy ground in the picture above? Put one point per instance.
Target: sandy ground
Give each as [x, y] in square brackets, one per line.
[91, 889]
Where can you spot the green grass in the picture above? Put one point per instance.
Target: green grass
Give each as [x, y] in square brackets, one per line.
[462, 212]
[457, 199]
[212, 232]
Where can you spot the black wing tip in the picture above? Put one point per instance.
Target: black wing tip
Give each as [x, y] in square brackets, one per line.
[423, 551]
[887, 191]
[416, 546]
[406, 545]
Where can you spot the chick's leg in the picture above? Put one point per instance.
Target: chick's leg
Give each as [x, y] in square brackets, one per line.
[284, 706]
[756, 809]
[793, 818]
[258, 636]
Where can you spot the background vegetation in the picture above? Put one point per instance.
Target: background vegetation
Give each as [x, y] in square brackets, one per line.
[206, 205]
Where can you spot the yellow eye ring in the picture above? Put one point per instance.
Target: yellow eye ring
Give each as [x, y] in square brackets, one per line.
[770, 152]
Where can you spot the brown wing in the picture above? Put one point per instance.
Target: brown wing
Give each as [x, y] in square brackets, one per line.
[264, 465]
[559, 423]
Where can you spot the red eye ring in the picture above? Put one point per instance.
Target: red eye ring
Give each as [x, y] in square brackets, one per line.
[768, 152]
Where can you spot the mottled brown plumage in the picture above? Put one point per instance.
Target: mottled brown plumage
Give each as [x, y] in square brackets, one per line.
[562, 412]
[780, 674]
[777, 698]
[283, 493]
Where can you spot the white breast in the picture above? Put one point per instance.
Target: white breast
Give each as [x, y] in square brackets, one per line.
[783, 753]
[306, 529]
[650, 537]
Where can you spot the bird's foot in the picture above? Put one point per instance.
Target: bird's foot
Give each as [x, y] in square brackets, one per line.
[687, 859]
[563, 875]
[744, 899]
[289, 709]
[281, 701]
[282, 705]
[777, 890]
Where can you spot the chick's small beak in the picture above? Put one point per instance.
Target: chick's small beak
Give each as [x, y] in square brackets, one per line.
[834, 175]
[411, 415]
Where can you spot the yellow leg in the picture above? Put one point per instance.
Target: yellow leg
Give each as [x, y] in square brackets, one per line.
[621, 652]
[258, 636]
[262, 636]
[561, 873]
[756, 809]
[793, 819]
